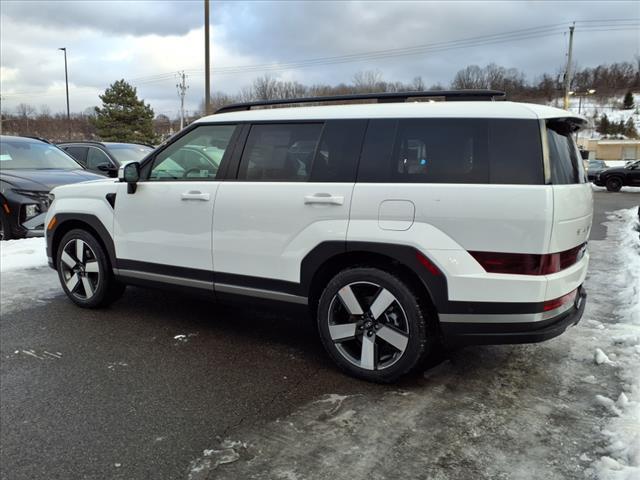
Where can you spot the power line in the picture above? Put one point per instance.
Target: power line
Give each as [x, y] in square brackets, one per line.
[516, 35]
[605, 25]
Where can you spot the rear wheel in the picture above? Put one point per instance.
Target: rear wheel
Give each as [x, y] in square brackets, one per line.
[84, 271]
[372, 324]
[614, 184]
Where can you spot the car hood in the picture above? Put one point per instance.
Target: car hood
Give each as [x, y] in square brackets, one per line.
[45, 179]
[614, 170]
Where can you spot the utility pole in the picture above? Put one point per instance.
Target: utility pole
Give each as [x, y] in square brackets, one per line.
[567, 73]
[182, 91]
[207, 71]
[66, 81]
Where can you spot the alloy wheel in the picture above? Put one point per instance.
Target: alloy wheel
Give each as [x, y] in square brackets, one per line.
[80, 269]
[368, 325]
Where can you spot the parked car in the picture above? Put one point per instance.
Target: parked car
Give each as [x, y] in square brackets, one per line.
[594, 167]
[616, 178]
[106, 157]
[29, 169]
[398, 225]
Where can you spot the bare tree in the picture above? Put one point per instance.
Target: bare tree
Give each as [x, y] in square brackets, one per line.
[25, 110]
[367, 81]
[417, 84]
[45, 111]
[265, 87]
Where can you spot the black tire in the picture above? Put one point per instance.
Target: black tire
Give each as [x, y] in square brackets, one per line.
[90, 283]
[404, 321]
[614, 184]
[5, 227]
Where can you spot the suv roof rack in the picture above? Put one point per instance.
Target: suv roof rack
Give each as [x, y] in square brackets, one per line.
[35, 137]
[387, 97]
[104, 144]
[95, 142]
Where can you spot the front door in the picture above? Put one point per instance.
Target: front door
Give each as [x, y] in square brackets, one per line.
[163, 231]
[633, 174]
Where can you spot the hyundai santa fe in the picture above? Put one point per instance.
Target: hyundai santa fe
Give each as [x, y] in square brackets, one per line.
[400, 225]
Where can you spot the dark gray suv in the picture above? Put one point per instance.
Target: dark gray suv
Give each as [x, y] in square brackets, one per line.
[105, 157]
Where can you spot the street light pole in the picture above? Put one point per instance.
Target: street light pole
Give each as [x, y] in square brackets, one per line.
[207, 73]
[66, 81]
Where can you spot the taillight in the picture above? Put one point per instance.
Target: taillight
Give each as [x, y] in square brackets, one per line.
[528, 264]
[558, 302]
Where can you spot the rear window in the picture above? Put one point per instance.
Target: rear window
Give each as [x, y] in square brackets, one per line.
[452, 151]
[564, 161]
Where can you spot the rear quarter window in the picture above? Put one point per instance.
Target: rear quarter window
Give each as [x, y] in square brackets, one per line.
[565, 163]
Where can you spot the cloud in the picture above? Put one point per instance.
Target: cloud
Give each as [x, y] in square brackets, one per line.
[110, 17]
[146, 42]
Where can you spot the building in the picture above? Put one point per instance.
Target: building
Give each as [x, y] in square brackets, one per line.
[611, 150]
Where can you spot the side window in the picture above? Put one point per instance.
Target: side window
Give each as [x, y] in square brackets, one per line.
[195, 156]
[446, 150]
[441, 151]
[96, 157]
[515, 152]
[279, 152]
[337, 156]
[79, 153]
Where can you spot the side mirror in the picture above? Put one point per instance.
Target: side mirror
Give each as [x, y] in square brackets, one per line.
[130, 173]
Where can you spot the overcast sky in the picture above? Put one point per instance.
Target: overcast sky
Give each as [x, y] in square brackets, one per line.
[147, 41]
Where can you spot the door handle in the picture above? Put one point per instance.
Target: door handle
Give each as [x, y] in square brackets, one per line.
[195, 195]
[324, 199]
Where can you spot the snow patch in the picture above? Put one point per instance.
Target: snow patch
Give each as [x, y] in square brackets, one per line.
[622, 431]
[25, 279]
[601, 357]
[22, 254]
[211, 459]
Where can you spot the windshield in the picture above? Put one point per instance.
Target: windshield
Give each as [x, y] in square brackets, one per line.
[21, 155]
[129, 153]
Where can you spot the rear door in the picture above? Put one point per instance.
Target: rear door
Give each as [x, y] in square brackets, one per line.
[292, 191]
[163, 230]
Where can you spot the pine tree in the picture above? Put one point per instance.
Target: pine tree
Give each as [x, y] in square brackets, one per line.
[630, 129]
[123, 117]
[627, 103]
[604, 126]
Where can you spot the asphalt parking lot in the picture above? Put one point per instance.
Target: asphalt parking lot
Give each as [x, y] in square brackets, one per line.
[140, 390]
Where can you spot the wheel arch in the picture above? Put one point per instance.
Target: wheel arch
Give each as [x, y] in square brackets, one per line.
[329, 258]
[90, 223]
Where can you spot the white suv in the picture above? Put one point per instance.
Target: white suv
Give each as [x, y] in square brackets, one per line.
[401, 226]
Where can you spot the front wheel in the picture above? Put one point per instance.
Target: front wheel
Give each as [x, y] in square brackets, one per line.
[614, 184]
[5, 227]
[372, 324]
[84, 271]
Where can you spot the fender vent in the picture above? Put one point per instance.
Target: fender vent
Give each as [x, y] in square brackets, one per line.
[111, 198]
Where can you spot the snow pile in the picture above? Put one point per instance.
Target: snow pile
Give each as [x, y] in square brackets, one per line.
[624, 189]
[22, 254]
[622, 432]
[24, 280]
